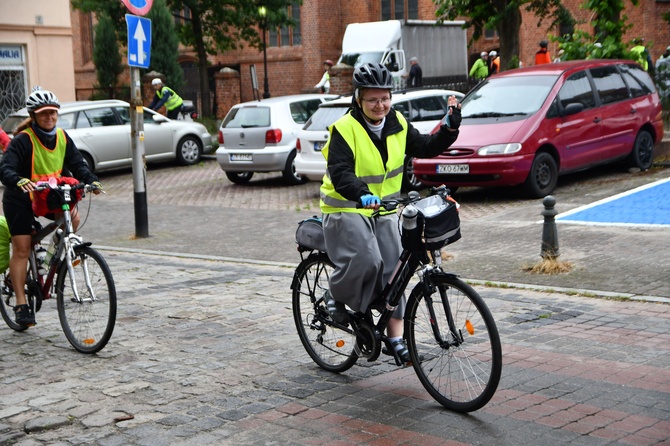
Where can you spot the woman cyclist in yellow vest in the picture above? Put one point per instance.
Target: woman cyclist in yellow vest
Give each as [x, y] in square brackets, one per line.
[166, 96]
[39, 150]
[365, 155]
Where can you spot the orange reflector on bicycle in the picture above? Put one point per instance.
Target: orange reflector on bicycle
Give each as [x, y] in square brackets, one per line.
[76, 262]
[469, 327]
[88, 341]
[339, 344]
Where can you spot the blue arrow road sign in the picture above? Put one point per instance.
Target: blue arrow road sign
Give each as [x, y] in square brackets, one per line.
[139, 41]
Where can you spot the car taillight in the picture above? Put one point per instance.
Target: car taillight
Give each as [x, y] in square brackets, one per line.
[220, 137]
[273, 136]
[194, 115]
[297, 146]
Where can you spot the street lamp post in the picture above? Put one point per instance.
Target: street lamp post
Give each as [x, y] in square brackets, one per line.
[264, 24]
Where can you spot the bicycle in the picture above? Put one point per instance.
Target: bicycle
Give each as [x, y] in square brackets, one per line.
[451, 335]
[78, 274]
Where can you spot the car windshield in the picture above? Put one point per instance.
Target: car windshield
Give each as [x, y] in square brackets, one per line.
[245, 117]
[324, 117]
[356, 59]
[508, 96]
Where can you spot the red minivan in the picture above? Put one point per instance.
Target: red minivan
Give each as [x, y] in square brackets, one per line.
[528, 126]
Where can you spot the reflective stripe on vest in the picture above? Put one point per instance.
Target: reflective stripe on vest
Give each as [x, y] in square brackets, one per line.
[47, 162]
[383, 181]
[173, 101]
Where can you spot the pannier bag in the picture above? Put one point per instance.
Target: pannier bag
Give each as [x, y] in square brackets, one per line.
[441, 223]
[49, 200]
[309, 234]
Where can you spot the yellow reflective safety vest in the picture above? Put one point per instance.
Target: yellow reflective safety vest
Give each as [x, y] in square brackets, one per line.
[384, 181]
[47, 162]
[173, 101]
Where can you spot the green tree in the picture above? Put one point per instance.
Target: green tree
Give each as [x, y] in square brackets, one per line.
[609, 25]
[502, 15]
[209, 26]
[165, 45]
[213, 26]
[106, 54]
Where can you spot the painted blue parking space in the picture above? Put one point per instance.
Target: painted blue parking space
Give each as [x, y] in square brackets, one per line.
[647, 205]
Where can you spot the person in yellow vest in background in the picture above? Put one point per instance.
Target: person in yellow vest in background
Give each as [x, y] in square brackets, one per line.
[166, 96]
[640, 53]
[480, 69]
[365, 155]
[39, 150]
[324, 83]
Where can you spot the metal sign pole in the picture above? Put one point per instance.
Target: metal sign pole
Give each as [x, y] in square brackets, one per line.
[137, 146]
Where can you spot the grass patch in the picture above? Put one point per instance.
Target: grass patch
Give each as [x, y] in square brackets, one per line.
[549, 265]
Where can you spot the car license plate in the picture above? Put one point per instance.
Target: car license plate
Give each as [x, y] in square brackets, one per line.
[319, 145]
[453, 168]
[241, 157]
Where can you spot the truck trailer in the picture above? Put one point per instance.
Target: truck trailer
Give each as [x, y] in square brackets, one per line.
[441, 49]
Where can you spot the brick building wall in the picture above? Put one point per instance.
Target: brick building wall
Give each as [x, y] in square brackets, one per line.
[296, 69]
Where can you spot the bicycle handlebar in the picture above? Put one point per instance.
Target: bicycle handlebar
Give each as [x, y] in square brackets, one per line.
[43, 185]
[412, 197]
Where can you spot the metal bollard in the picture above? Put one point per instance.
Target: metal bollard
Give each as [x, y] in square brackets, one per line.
[549, 232]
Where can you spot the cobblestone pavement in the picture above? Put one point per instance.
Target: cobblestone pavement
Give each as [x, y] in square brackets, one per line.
[205, 352]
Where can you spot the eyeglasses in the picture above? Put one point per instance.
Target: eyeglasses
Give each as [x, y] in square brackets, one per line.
[373, 102]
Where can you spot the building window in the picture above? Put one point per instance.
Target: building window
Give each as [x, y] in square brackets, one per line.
[87, 37]
[399, 9]
[490, 33]
[287, 36]
[182, 16]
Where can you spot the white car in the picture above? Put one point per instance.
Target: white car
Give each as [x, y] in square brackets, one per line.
[423, 108]
[260, 136]
[101, 132]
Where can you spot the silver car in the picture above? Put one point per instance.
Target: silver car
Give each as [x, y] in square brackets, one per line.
[260, 136]
[101, 132]
[423, 108]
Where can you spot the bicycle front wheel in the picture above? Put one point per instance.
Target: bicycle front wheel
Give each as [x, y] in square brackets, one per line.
[329, 344]
[8, 302]
[86, 300]
[453, 343]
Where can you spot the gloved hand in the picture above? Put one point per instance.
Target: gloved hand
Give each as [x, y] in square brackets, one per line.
[370, 200]
[454, 117]
[22, 182]
[98, 187]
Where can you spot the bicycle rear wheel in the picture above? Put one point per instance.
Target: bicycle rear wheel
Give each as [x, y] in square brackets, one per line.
[7, 304]
[88, 322]
[459, 366]
[328, 343]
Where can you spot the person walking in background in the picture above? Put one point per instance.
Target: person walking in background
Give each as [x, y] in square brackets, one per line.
[415, 77]
[166, 96]
[542, 55]
[664, 60]
[495, 63]
[324, 83]
[640, 53]
[480, 68]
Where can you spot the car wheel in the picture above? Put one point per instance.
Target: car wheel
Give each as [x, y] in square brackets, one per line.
[239, 177]
[642, 155]
[188, 151]
[542, 177]
[89, 161]
[409, 180]
[289, 173]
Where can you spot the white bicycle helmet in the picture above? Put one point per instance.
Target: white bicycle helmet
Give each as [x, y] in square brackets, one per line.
[156, 81]
[39, 99]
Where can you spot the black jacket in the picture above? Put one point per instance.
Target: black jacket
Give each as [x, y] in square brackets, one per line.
[341, 164]
[17, 163]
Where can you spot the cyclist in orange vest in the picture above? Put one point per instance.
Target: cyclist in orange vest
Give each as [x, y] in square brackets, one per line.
[39, 150]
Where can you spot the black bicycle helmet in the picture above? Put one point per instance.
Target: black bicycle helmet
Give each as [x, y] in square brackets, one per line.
[41, 98]
[373, 75]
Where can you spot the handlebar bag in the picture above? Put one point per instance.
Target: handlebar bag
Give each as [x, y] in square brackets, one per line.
[309, 234]
[442, 225]
[50, 200]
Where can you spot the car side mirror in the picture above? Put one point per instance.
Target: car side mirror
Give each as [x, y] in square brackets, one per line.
[159, 118]
[572, 108]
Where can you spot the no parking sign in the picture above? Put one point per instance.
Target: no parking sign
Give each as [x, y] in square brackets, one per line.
[138, 7]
